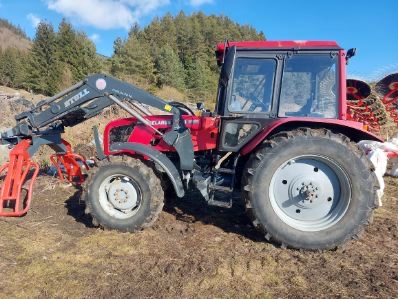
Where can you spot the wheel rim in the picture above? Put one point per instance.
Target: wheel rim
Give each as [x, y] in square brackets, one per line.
[120, 196]
[310, 193]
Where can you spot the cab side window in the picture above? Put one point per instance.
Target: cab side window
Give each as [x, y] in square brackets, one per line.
[309, 87]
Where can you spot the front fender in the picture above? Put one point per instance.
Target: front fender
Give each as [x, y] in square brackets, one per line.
[155, 156]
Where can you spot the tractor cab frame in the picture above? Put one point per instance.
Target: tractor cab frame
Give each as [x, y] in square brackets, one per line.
[266, 88]
[261, 82]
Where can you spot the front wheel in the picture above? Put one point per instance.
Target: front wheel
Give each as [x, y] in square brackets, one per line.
[124, 194]
[310, 189]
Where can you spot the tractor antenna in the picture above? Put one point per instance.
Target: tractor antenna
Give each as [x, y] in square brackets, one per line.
[226, 45]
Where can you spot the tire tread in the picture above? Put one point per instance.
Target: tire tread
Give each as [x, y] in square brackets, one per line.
[263, 153]
[157, 199]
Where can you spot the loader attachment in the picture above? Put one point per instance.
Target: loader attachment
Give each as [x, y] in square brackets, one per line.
[17, 178]
[71, 163]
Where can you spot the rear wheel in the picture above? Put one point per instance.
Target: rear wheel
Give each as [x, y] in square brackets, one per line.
[310, 189]
[124, 194]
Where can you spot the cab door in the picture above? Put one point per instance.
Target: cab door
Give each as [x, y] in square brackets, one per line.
[250, 99]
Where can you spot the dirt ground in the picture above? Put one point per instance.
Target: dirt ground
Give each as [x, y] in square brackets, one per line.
[193, 251]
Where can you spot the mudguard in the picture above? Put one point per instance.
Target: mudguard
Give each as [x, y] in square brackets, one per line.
[157, 157]
[353, 130]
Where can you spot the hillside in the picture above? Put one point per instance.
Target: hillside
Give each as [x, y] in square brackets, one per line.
[178, 51]
[175, 51]
[12, 36]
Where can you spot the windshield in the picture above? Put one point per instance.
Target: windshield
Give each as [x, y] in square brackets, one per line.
[309, 86]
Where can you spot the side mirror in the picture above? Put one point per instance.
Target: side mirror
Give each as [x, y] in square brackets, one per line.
[350, 53]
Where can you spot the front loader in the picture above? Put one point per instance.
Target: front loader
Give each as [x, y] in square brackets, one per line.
[280, 135]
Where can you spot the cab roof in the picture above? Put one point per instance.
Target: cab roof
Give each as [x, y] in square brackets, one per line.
[299, 44]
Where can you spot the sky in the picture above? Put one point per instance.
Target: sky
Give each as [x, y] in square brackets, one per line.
[364, 24]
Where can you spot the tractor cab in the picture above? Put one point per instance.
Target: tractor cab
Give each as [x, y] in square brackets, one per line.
[263, 81]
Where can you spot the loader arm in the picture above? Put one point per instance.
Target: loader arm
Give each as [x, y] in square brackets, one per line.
[46, 121]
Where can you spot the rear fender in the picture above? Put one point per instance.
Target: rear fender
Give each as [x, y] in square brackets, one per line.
[351, 129]
[162, 160]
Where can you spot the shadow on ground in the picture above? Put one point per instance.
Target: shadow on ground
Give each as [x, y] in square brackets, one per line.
[189, 209]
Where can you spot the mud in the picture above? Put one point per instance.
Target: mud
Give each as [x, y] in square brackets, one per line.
[192, 251]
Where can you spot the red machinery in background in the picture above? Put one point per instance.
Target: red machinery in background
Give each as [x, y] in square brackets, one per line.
[360, 107]
[387, 88]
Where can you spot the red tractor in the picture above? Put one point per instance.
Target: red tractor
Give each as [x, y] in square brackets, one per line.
[279, 135]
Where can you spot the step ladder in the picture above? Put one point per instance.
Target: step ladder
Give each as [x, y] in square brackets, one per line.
[221, 195]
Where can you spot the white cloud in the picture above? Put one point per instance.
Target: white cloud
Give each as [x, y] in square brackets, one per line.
[33, 19]
[200, 2]
[95, 37]
[106, 14]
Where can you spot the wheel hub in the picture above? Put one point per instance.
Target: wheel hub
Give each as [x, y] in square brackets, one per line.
[122, 195]
[308, 192]
[305, 192]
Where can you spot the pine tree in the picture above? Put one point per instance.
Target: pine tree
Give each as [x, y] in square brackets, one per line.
[134, 59]
[87, 59]
[169, 68]
[118, 46]
[44, 72]
[199, 79]
[11, 67]
[76, 52]
[66, 45]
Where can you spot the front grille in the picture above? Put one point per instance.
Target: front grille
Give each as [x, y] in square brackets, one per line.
[120, 134]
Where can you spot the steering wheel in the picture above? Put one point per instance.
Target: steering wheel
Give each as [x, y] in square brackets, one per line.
[184, 109]
[257, 103]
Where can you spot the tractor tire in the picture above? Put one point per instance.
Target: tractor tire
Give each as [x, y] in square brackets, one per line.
[123, 194]
[309, 189]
